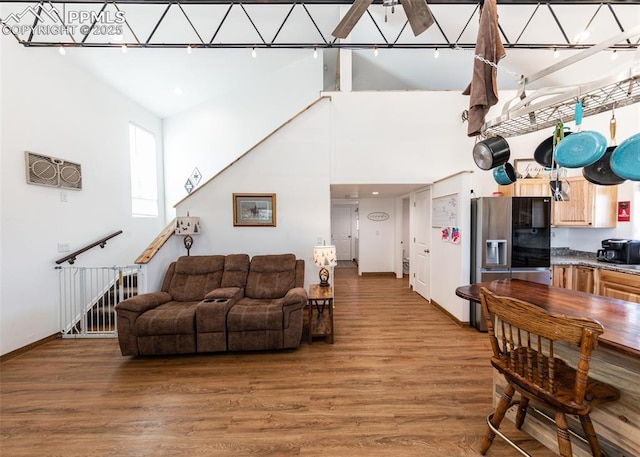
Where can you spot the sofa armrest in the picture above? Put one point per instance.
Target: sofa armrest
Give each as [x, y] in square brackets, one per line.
[296, 296]
[225, 292]
[292, 305]
[144, 302]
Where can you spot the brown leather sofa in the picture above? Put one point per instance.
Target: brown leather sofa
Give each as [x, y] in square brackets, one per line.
[217, 303]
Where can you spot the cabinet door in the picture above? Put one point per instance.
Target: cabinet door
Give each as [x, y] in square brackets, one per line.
[533, 187]
[584, 279]
[623, 286]
[588, 205]
[562, 276]
[507, 191]
[578, 210]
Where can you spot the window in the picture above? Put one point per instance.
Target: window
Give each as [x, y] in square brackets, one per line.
[144, 179]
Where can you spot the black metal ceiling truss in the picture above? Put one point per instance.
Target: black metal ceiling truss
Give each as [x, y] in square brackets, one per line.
[30, 21]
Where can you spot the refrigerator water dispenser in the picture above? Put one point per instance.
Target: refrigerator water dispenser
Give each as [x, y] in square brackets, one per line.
[496, 252]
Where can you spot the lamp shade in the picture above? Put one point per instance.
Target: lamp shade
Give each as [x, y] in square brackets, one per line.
[325, 256]
[187, 225]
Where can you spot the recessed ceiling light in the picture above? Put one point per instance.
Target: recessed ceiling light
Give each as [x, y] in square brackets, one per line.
[375, 192]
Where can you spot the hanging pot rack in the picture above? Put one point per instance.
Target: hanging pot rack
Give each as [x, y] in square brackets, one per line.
[545, 107]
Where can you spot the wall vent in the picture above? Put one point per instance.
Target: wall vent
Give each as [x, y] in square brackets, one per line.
[52, 172]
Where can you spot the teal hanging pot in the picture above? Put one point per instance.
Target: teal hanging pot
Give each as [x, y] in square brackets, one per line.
[582, 148]
[505, 174]
[625, 160]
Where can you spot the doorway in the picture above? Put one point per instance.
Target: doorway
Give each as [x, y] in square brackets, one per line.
[344, 231]
[421, 243]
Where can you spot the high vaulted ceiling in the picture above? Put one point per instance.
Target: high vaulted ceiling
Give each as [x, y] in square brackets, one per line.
[221, 35]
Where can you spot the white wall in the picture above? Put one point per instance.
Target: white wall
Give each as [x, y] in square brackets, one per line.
[50, 107]
[377, 237]
[398, 137]
[450, 262]
[213, 135]
[290, 165]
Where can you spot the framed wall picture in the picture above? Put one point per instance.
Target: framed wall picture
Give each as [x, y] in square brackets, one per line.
[529, 168]
[254, 210]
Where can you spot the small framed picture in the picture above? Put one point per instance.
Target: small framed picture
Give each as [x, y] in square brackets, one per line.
[254, 210]
[529, 168]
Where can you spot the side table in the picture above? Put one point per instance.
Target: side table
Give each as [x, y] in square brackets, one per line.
[320, 312]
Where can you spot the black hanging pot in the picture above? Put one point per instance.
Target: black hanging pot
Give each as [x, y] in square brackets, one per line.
[600, 172]
[491, 153]
[544, 152]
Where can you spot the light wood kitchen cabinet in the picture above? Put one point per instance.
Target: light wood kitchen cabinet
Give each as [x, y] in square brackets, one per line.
[527, 187]
[614, 284]
[588, 205]
[562, 276]
[584, 279]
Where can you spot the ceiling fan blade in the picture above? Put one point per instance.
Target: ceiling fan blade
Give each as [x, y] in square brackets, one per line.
[419, 15]
[350, 19]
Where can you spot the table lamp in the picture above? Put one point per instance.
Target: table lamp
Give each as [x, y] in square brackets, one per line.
[323, 257]
[187, 226]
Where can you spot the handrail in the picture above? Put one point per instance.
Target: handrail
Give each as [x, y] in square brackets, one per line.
[71, 258]
[156, 244]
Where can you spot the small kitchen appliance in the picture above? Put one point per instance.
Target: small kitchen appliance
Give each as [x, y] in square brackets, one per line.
[620, 251]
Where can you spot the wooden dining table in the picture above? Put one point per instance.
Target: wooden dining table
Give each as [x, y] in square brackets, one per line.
[620, 319]
[615, 361]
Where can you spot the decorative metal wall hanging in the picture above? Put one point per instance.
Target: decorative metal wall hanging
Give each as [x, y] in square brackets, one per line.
[52, 172]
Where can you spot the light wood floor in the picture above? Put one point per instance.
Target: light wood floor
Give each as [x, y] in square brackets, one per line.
[401, 380]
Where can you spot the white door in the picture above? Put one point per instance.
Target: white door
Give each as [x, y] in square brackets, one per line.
[341, 231]
[422, 243]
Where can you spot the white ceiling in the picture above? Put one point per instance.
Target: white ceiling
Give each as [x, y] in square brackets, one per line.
[151, 76]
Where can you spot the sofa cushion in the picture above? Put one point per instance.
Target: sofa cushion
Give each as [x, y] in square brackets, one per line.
[251, 314]
[172, 318]
[271, 276]
[236, 267]
[195, 276]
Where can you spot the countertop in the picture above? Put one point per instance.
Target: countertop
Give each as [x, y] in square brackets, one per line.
[621, 319]
[565, 256]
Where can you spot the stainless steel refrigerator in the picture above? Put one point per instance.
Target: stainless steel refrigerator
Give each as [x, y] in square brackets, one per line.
[510, 238]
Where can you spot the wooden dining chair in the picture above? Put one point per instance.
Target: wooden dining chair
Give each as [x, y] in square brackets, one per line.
[522, 338]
